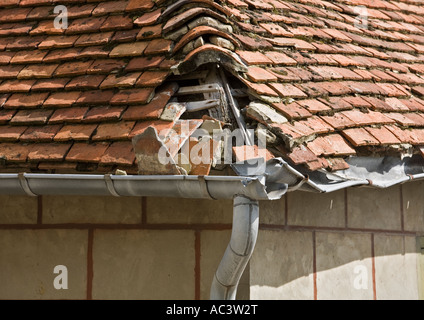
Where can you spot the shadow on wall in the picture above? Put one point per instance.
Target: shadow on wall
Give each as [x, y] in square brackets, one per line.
[360, 243]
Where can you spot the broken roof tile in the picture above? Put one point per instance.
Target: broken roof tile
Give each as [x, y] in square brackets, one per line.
[306, 61]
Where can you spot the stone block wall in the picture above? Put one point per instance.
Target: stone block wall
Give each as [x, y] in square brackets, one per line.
[359, 243]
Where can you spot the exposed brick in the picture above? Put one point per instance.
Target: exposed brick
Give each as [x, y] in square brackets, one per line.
[84, 152]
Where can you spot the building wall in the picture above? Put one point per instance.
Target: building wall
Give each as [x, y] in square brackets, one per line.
[358, 243]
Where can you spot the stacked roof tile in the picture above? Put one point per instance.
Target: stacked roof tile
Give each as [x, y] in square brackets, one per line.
[345, 76]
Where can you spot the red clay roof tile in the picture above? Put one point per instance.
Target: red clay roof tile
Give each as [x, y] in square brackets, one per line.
[110, 67]
[120, 153]
[48, 152]
[83, 152]
[75, 132]
[37, 134]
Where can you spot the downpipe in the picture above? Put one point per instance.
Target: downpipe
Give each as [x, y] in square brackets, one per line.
[239, 250]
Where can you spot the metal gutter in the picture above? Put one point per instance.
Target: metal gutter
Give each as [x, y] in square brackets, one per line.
[199, 187]
[255, 181]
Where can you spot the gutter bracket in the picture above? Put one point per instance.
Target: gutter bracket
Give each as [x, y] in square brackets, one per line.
[110, 186]
[24, 184]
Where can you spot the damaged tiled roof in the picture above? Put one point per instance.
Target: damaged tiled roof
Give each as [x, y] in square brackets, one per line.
[327, 80]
